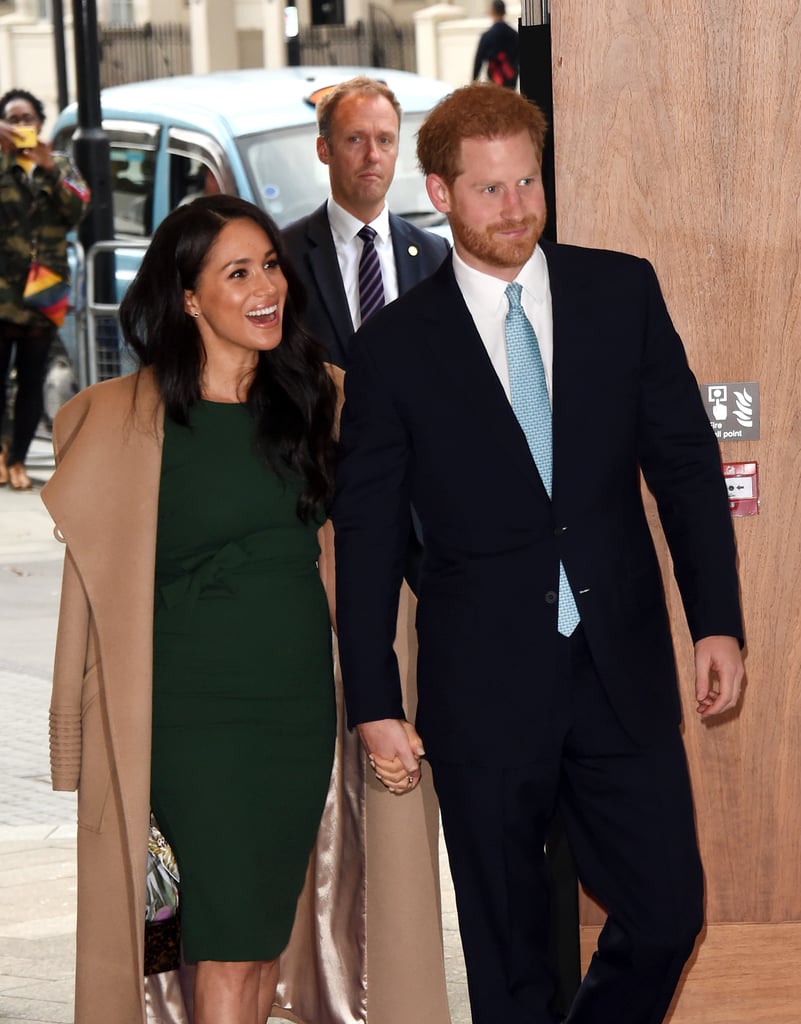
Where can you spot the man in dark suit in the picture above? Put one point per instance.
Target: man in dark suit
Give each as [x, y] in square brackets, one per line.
[359, 126]
[546, 672]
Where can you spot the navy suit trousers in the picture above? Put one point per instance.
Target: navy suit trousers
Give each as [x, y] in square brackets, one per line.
[628, 814]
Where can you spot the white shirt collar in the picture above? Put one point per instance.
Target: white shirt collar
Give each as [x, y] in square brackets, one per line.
[345, 226]
[485, 298]
[480, 287]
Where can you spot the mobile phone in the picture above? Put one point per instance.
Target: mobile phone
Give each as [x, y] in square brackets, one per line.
[27, 136]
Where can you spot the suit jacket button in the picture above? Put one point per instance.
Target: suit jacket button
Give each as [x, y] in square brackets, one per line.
[559, 530]
[551, 597]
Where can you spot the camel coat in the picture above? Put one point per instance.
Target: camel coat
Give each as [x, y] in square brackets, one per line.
[360, 907]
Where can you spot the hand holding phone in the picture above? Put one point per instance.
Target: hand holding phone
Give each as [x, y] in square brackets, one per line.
[26, 136]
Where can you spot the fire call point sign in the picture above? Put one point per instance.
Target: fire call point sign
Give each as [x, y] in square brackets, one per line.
[733, 410]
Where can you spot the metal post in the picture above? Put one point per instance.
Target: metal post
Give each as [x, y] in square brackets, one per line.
[61, 54]
[292, 34]
[91, 147]
[536, 83]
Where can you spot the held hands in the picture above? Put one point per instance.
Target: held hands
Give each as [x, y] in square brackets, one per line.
[394, 750]
[719, 674]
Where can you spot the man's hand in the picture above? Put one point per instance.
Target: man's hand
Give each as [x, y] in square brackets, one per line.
[719, 674]
[394, 750]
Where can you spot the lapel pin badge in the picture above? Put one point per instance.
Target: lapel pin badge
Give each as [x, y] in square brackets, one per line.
[413, 250]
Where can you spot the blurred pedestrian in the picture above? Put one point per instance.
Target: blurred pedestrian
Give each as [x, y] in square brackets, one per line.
[42, 196]
[499, 49]
[194, 668]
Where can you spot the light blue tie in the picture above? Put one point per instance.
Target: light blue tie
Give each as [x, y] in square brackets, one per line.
[530, 404]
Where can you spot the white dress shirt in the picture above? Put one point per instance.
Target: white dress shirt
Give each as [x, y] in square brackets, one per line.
[486, 300]
[345, 228]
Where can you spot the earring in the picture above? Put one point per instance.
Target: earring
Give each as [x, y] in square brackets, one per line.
[196, 314]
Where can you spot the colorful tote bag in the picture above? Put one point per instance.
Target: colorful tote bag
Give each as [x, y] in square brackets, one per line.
[47, 292]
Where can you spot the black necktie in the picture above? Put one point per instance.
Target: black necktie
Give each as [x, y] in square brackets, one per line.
[371, 284]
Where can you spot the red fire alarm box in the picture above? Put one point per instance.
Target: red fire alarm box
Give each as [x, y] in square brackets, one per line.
[742, 483]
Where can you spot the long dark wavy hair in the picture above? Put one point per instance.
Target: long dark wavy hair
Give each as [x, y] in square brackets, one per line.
[291, 395]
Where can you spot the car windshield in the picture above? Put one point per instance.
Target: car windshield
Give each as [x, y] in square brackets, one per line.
[289, 181]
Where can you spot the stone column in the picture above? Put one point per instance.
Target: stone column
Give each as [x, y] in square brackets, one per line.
[213, 36]
[427, 22]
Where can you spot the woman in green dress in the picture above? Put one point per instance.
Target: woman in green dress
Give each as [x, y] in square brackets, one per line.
[244, 716]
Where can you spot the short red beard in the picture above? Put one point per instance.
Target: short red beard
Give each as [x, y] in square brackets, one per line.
[485, 246]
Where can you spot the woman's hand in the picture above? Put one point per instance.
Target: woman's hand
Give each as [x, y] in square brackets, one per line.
[8, 137]
[394, 749]
[41, 154]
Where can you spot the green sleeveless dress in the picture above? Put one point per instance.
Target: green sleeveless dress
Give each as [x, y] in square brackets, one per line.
[244, 717]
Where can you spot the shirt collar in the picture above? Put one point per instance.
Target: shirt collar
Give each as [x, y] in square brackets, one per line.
[478, 287]
[345, 226]
[534, 277]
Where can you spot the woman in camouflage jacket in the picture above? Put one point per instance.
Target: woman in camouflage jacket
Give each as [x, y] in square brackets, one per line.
[42, 196]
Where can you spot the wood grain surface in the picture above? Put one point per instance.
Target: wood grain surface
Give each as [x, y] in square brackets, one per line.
[678, 137]
[740, 974]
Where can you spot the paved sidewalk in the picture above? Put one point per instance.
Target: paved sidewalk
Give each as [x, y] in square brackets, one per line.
[37, 830]
[37, 924]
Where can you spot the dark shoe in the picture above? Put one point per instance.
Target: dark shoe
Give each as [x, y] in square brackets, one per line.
[18, 478]
[3, 468]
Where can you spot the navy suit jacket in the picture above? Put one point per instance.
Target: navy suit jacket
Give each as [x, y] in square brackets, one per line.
[310, 246]
[426, 421]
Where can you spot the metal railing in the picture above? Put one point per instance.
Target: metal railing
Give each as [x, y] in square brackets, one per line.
[73, 333]
[379, 44]
[104, 354]
[135, 53]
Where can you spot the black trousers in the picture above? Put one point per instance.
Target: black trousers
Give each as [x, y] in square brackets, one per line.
[31, 347]
[627, 812]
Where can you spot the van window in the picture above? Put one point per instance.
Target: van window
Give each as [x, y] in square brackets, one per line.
[198, 165]
[132, 146]
[133, 173]
[189, 178]
[288, 180]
